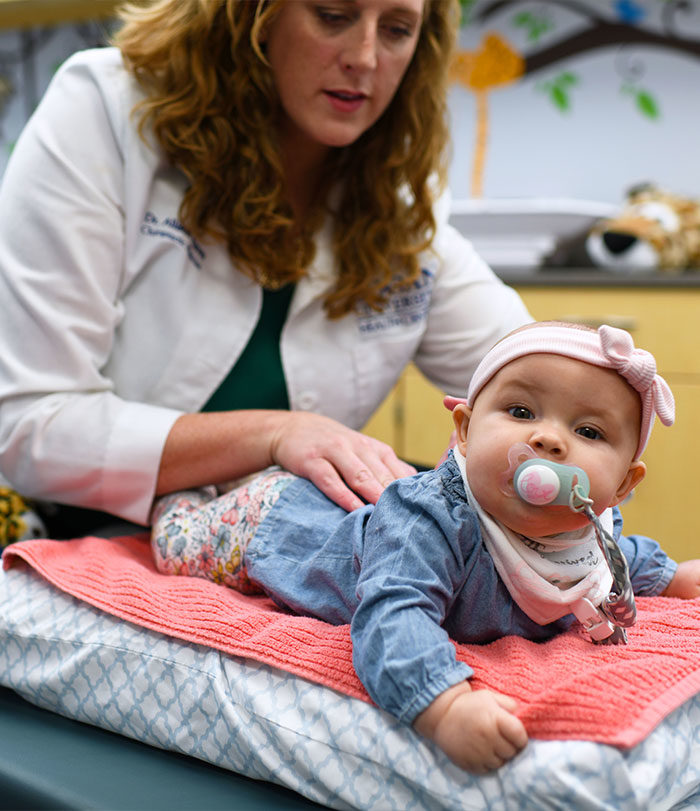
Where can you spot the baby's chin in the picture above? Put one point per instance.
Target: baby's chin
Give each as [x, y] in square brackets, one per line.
[541, 522]
[528, 519]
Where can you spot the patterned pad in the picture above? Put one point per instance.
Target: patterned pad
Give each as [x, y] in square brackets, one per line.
[560, 685]
[63, 654]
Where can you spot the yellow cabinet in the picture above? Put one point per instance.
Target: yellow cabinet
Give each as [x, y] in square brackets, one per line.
[663, 319]
[28, 13]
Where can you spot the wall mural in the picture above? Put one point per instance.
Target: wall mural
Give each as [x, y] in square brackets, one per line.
[541, 49]
[556, 33]
[28, 59]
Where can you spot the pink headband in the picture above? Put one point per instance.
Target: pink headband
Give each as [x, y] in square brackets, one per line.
[610, 347]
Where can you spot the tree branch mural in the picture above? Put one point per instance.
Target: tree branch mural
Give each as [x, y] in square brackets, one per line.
[496, 63]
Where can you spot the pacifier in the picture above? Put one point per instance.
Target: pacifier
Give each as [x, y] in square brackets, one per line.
[544, 483]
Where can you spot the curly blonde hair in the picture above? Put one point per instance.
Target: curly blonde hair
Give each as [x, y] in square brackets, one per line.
[212, 105]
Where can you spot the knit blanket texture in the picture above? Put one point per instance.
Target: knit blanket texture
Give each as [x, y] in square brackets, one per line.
[566, 688]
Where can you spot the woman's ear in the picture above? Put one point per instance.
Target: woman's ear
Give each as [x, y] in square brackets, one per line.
[461, 414]
[635, 474]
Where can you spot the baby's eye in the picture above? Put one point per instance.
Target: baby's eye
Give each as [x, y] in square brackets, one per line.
[521, 413]
[589, 433]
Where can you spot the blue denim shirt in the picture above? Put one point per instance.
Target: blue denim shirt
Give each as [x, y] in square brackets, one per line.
[410, 574]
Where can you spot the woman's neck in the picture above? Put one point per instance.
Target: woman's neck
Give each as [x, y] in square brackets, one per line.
[302, 163]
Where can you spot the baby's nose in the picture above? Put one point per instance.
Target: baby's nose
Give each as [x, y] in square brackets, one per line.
[547, 440]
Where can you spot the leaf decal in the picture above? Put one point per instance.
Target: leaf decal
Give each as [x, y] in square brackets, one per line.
[558, 90]
[647, 105]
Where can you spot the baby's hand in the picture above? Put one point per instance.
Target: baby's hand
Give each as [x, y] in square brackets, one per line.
[686, 581]
[476, 729]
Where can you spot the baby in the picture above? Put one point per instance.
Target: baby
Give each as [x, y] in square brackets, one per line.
[455, 553]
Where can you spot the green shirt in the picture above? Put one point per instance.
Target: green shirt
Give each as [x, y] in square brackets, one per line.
[257, 378]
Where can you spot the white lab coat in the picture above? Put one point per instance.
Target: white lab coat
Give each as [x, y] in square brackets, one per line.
[115, 321]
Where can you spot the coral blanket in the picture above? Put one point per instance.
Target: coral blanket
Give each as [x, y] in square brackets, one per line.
[567, 688]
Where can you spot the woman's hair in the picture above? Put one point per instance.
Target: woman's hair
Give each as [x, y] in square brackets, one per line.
[212, 106]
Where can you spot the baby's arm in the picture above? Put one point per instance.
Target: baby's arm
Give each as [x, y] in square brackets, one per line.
[475, 728]
[686, 581]
[418, 546]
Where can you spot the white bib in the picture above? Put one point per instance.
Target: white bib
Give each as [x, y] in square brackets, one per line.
[547, 577]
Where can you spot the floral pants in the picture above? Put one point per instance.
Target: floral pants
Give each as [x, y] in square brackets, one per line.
[202, 534]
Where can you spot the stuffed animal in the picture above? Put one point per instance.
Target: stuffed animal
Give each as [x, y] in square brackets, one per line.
[654, 231]
[18, 520]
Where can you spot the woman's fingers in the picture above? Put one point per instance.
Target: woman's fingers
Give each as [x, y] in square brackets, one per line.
[352, 480]
[347, 466]
[370, 467]
[325, 476]
[450, 402]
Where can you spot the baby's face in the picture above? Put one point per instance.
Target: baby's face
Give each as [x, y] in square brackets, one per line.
[567, 411]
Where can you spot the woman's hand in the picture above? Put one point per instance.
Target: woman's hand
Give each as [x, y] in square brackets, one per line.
[476, 729]
[214, 447]
[349, 467]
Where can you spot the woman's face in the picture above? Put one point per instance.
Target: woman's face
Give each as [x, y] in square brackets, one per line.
[338, 63]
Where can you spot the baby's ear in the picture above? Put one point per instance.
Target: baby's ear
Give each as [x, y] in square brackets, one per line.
[635, 474]
[461, 414]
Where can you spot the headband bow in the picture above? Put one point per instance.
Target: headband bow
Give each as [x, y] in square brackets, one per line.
[638, 367]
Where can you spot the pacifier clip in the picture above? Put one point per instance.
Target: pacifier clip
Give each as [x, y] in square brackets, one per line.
[542, 483]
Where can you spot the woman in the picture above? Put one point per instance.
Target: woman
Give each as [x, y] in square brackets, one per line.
[220, 244]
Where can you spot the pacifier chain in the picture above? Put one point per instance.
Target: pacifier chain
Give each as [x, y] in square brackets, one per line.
[541, 482]
[618, 606]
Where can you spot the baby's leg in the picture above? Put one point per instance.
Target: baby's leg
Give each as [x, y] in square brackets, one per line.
[197, 533]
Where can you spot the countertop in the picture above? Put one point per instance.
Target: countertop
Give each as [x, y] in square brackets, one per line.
[595, 277]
